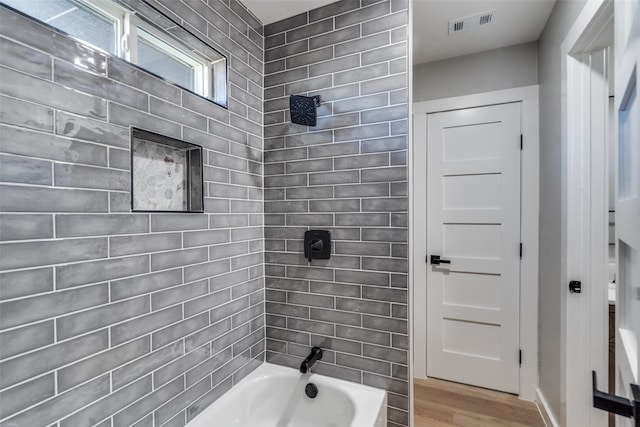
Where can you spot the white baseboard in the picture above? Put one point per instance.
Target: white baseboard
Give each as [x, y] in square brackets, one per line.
[545, 412]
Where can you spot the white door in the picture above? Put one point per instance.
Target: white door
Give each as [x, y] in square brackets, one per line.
[473, 221]
[627, 77]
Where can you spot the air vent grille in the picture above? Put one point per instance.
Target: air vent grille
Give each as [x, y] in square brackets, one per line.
[471, 22]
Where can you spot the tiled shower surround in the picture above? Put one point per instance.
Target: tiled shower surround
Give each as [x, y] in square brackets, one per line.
[110, 317]
[114, 318]
[348, 175]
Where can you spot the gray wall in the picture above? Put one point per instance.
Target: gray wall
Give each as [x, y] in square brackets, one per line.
[348, 175]
[504, 68]
[551, 286]
[102, 307]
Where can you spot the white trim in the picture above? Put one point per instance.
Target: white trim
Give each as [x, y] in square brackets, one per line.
[545, 411]
[584, 318]
[530, 222]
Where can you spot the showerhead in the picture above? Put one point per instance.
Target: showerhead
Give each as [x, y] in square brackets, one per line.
[303, 109]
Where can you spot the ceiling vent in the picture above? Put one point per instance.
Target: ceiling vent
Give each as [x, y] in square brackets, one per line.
[471, 22]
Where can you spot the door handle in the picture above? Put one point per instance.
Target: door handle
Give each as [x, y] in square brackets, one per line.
[436, 260]
[616, 404]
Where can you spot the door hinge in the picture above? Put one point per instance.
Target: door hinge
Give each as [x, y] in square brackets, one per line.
[520, 250]
[520, 357]
[521, 141]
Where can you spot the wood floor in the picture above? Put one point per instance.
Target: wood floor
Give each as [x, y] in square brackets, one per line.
[443, 404]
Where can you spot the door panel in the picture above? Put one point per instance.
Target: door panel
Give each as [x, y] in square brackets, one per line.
[473, 200]
[627, 54]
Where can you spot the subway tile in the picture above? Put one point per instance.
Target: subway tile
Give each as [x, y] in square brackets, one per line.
[384, 84]
[78, 78]
[100, 317]
[361, 44]
[179, 294]
[63, 404]
[309, 30]
[26, 282]
[32, 143]
[362, 190]
[44, 92]
[179, 330]
[384, 144]
[385, 324]
[131, 245]
[179, 258]
[25, 59]
[137, 327]
[332, 9]
[113, 403]
[181, 401]
[384, 23]
[79, 176]
[98, 364]
[149, 403]
[206, 302]
[346, 205]
[133, 286]
[204, 270]
[389, 384]
[363, 14]
[169, 111]
[96, 225]
[386, 53]
[338, 317]
[27, 338]
[141, 367]
[363, 335]
[384, 294]
[362, 306]
[285, 24]
[363, 74]
[178, 222]
[308, 58]
[27, 394]
[72, 275]
[362, 132]
[125, 116]
[384, 353]
[25, 227]
[394, 173]
[384, 264]
[334, 150]
[126, 73]
[41, 307]
[384, 234]
[41, 361]
[397, 204]
[25, 114]
[362, 219]
[364, 364]
[383, 114]
[25, 171]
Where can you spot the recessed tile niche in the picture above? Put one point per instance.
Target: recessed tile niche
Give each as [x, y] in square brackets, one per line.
[166, 174]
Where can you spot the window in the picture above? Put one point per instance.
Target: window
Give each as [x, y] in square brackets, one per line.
[115, 27]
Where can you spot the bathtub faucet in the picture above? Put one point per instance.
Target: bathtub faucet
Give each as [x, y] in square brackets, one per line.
[316, 354]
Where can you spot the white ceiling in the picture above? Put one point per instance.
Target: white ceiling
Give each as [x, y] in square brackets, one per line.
[514, 22]
[270, 11]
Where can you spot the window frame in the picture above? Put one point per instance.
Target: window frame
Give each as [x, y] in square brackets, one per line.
[210, 74]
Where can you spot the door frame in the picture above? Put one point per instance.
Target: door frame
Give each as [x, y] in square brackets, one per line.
[584, 224]
[530, 206]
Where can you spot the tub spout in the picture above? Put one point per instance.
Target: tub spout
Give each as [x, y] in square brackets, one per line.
[316, 354]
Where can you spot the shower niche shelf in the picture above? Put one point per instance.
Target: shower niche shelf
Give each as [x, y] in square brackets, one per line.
[166, 174]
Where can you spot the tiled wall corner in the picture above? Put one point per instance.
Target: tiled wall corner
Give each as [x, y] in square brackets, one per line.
[348, 174]
[110, 317]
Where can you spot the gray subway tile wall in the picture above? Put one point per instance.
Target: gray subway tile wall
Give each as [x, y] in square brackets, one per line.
[348, 175]
[108, 317]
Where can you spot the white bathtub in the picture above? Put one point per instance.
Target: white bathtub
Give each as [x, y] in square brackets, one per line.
[274, 396]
